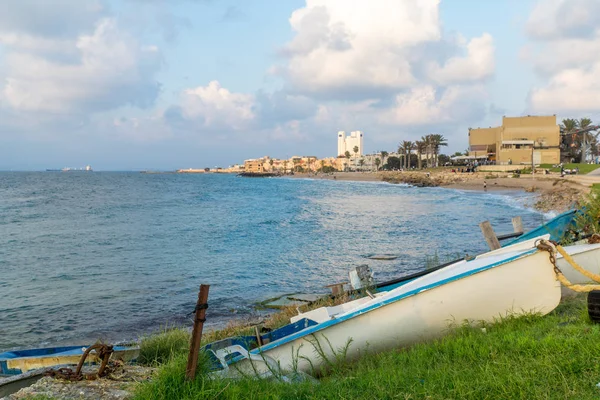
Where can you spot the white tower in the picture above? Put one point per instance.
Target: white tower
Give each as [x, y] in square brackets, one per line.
[341, 143]
[347, 143]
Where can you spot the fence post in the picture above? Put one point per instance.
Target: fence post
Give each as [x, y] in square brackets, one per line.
[200, 314]
[517, 224]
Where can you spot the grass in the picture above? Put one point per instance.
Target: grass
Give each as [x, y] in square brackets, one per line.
[532, 357]
[583, 168]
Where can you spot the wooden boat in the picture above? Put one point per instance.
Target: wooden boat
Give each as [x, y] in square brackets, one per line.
[522, 245]
[556, 228]
[21, 361]
[14, 383]
[478, 290]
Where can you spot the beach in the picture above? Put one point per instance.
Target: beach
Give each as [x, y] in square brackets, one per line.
[555, 193]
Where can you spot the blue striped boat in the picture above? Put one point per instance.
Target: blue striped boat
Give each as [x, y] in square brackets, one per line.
[20, 361]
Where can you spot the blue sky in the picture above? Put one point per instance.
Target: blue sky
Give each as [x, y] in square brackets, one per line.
[137, 84]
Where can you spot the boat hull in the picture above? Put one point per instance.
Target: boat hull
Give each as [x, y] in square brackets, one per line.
[18, 362]
[586, 256]
[525, 284]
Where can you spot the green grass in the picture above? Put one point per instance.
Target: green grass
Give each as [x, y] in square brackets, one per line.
[552, 357]
[583, 168]
[162, 347]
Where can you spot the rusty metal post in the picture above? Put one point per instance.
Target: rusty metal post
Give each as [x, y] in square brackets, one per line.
[201, 306]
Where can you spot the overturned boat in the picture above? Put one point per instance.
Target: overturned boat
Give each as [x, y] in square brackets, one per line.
[482, 289]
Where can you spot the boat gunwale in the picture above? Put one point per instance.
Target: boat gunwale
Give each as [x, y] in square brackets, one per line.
[350, 315]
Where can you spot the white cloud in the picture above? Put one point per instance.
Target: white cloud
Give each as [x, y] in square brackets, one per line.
[575, 90]
[566, 59]
[217, 107]
[477, 65]
[559, 19]
[111, 70]
[356, 49]
[425, 105]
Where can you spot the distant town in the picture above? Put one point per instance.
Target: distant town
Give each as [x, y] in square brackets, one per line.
[518, 141]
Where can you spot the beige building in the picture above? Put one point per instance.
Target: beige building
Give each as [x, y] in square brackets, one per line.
[517, 141]
[254, 165]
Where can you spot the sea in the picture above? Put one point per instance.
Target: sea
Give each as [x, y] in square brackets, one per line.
[117, 255]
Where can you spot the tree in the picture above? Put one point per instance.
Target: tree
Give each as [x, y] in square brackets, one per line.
[567, 129]
[421, 147]
[466, 152]
[285, 163]
[427, 142]
[377, 162]
[393, 163]
[384, 154]
[347, 154]
[271, 164]
[405, 147]
[444, 159]
[295, 162]
[361, 162]
[322, 165]
[457, 154]
[437, 141]
[586, 138]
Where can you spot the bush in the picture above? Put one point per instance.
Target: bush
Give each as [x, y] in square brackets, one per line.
[162, 347]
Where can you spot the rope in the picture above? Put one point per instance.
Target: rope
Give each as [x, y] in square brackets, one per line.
[547, 246]
[577, 267]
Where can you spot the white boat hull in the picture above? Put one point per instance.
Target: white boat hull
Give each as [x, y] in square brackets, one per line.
[421, 310]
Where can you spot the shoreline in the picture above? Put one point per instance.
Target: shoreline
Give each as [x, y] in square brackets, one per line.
[554, 193]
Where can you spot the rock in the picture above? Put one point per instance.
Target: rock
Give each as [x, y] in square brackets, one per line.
[117, 386]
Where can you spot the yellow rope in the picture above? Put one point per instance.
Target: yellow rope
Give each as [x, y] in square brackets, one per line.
[592, 276]
[578, 288]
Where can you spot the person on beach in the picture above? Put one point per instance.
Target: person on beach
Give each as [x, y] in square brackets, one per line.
[484, 185]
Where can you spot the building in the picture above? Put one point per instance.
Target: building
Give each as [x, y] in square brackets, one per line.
[519, 140]
[347, 143]
[254, 165]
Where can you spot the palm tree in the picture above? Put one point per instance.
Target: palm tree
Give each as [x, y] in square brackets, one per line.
[271, 164]
[322, 165]
[347, 154]
[420, 146]
[285, 163]
[377, 162]
[405, 147]
[384, 154]
[361, 162]
[437, 141]
[586, 137]
[427, 142]
[568, 127]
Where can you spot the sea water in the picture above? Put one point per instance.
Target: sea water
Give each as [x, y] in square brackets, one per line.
[88, 255]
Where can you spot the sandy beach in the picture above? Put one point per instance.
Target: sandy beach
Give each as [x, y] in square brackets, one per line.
[556, 193]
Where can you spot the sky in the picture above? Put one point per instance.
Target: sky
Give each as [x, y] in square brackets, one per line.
[168, 84]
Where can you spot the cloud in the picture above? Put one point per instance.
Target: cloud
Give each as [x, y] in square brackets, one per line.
[50, 19]
[567, 42]
[111, 70]
[426, 105]
[561, 19]
[477, 65]
[216, 107]
[358, 50]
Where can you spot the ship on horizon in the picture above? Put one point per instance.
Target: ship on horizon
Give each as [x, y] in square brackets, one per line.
[87, 168]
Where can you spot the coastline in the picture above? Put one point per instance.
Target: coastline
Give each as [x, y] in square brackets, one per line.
[555, 193]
